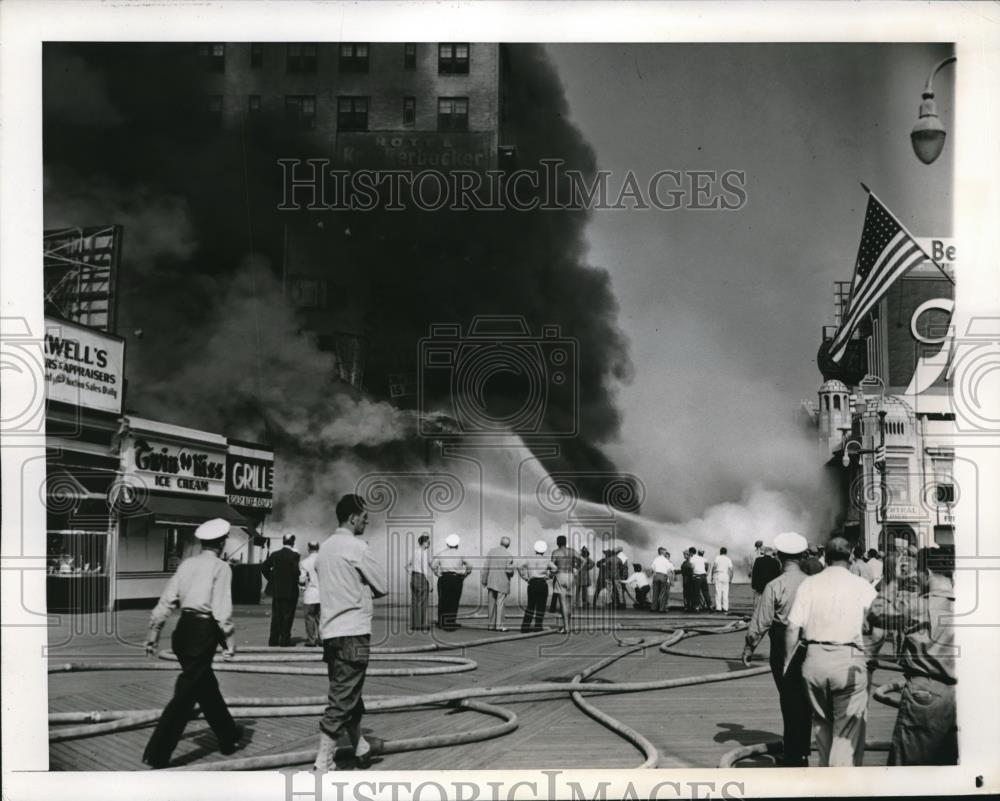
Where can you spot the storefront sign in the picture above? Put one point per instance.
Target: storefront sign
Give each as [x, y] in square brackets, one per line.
[902, 512]
[415, 151]
[161, 465]
[249, 477]
[84, 367]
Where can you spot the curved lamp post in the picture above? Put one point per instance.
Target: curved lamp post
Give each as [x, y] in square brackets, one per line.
[928, 134]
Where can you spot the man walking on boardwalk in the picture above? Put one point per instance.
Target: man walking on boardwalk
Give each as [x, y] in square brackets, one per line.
[202, 588]
[663, 572]
[771, 617]
[496, 575]
[281, 569]
[349, 579]
[829, 612]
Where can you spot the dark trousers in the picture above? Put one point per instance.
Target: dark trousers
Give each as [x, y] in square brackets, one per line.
[346, 665]
[312, 623]
[282, 618]
[796, 710]
[689, 594]
[703, 596]
[420, 592]
[661, 592]
[449, 596]
[534, 613]
[926, 731]
[194, 642]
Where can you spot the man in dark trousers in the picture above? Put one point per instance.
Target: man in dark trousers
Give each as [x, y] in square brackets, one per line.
[765, 569]
[281, 569]
[771, 617]
[202, 588]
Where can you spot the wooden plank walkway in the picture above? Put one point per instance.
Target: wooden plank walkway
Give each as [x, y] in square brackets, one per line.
[691, 726]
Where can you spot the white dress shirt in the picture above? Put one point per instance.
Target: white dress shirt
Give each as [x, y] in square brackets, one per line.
[662, 565]
[722, 569]
[698, 565]
[831, 606]
[309, 579]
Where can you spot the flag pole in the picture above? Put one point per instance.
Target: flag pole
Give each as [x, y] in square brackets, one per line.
[905, 231]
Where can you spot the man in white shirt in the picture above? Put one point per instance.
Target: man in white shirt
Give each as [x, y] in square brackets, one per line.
[828, 614]
[722, 575]
[699, 578]
[875, 566]
[663, 572]
[309, 582]
[419, 568]
[349, 578]
[638, 582]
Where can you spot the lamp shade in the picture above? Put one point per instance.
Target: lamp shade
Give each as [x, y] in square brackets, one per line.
[928, 134]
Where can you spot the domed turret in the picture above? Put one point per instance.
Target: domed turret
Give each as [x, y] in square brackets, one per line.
[834, 410]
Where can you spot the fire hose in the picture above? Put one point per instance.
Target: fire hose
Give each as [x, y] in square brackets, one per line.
[96, 723]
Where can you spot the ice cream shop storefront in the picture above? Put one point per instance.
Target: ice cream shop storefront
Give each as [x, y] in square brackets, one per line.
[175, 479]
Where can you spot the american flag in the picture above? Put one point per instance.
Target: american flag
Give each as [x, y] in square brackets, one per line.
[886, 252]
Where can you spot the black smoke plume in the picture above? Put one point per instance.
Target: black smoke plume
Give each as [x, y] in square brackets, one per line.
[221, 348]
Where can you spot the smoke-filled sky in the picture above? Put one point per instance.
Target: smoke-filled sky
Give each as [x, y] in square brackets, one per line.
[698, 329]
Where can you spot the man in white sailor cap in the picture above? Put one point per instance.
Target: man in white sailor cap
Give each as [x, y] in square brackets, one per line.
[536, 571]
[451, 568]
[770, 617]
[201, 587]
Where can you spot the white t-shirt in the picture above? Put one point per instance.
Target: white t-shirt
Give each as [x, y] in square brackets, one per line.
[831, 606]
[637, 580]
[698, 565]
[722, 570]
[661, 564]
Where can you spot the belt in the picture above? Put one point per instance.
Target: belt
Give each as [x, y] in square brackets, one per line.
[451, 573]
[196, 613]
[538, 578]
[828, 642]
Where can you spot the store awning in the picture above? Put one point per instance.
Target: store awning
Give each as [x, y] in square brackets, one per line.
[192, 510]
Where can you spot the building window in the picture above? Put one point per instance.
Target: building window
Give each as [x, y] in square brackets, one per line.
[836, 402]
[212, 56]
[352, 113]
[453, 114]
[178, 545]
[301, 58]
[897, 480]
[410, 56]
[409, 111]
[945, 494]
[453, 59]
[354, 57]
[212, 109]
[301, 110]
[253, 103]
[256, 55]
[308, 293]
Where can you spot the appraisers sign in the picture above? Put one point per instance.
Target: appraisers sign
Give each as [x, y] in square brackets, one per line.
[83, 367]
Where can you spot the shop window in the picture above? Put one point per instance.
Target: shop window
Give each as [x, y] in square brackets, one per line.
[453, 59]
[300, 110]
[409, 111]
[301, 58]
[212, 56]
[256, 55]
[77, 553]
[352, 113]
[453, 114]
[353, 57]
[178, 545]
[410, 56]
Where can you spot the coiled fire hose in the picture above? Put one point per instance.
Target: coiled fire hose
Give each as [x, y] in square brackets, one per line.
[96, 723]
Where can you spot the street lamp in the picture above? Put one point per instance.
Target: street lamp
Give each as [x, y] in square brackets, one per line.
[928, 134]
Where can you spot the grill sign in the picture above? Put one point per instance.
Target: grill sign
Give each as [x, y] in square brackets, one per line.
[249, 479]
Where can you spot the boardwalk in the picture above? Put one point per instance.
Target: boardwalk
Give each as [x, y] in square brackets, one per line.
[690, 726]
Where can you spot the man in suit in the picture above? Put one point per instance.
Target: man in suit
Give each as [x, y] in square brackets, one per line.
[496, 575]
[281, 569]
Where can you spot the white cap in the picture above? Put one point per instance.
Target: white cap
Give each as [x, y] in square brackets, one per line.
[791, 543]
[453, 540]
[212, 529]
[541, 546]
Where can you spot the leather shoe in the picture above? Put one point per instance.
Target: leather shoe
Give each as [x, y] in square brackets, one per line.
[233, 745]
[377, 745]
